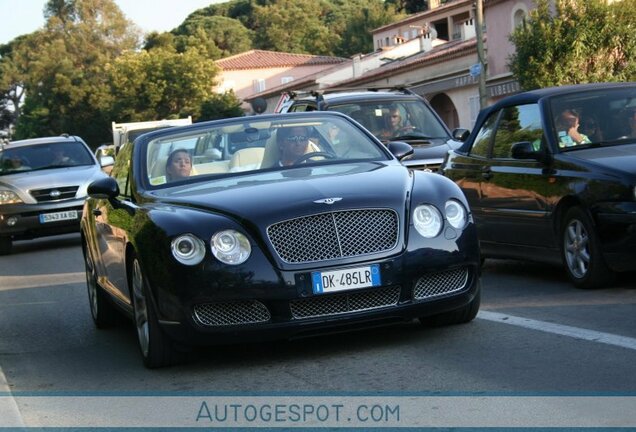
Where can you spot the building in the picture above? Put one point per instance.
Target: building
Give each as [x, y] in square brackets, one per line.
[433, 53]
[255, 71]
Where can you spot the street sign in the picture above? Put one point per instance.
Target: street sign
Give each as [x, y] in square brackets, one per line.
[475, 70]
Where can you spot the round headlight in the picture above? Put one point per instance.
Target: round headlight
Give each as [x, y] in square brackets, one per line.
[188, 249]
[427, 220]
[230, 247]
[456, 214]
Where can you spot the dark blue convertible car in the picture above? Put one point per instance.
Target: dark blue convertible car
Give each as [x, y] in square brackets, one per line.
[263, 227]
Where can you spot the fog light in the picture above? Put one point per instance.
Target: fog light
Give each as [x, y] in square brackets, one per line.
[12, 221]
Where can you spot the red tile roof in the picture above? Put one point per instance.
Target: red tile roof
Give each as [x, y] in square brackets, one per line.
[259, 59]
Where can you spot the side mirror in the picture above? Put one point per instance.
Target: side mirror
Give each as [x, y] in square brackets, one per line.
[399, 149]
[525, 150]
[461, 134]
[105, 188]
[105, 161]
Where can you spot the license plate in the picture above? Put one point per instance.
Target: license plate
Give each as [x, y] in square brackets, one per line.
[346, 279]
[54, 217]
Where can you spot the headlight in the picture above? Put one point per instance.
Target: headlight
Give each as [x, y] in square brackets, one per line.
[188, 249]
[9, 197]
[427, 220]
[456, 214]
[230, 247]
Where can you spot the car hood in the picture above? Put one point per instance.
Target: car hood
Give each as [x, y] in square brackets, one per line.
[616, 158]
[431, 151]
[273, 196]
[51, 178]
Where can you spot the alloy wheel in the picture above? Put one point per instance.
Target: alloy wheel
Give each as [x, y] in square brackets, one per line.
[141, 309]
[576, 247]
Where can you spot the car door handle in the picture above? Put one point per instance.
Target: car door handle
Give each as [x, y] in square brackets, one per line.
[97, 212]
[486, 173]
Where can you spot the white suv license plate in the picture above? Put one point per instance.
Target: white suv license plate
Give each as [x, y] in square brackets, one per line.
[59, 216]
[346, 279]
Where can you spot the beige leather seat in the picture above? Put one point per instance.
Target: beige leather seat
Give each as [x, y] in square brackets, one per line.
[247, 159]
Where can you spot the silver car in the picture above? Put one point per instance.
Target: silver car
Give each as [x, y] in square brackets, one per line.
[43, 185]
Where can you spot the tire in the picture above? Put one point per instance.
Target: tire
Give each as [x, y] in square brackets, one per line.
[104, 313]
[581, 251]
[157, 350]
[5, 245]
[463, 315]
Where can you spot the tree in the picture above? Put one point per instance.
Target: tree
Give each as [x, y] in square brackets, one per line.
[287, 26]
[582, 41]
[161, 83]
[228, 35]
[67, 87]
[220, 106]
[355, 19]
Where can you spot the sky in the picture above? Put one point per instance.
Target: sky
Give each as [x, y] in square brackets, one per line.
[25, 16]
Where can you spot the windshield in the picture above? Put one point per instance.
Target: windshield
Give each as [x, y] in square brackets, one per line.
[402, 120]
[43, 156]
[281, 142]
[595, 117]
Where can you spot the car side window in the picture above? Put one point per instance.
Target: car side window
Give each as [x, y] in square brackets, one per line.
[300, 107]
[517, 124]
[481, 145]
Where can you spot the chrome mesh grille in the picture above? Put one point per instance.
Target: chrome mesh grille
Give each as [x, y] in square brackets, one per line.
[436, 284]
[231, 313]
[61, 193]
[335, 235]
[325, 305]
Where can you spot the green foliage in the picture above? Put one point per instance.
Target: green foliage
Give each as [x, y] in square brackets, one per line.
[220, 106]
[322, 27]
[227, 35]
[582, 41]
[158, 84]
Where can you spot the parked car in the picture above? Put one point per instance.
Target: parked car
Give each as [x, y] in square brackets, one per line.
[550, 176]
[43, 185]
[273, 246]
[395, 114]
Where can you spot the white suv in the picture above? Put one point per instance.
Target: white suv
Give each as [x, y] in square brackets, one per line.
[43, 185]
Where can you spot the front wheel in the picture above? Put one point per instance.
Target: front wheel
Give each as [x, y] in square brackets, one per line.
[462, 315]
[581, 251]
[157, 350]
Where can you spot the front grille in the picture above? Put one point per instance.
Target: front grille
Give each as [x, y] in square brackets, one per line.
[54, 194]
[431, 167]
[437, 284]
[231, 313]
[325, 305]
[334, 235]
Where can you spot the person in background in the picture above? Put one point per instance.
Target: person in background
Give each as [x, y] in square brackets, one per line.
[590, 127]
[395, 125]
[178, 165]
[567, 124]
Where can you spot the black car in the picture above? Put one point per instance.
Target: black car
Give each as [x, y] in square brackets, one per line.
[550, 176]
[252, 244]
[395, 114]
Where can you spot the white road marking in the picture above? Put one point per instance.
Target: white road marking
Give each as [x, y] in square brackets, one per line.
[559, 329]
[9, 412]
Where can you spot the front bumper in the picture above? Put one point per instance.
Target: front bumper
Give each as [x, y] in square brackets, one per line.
[298, 312]
[23, 222]
[616, 225]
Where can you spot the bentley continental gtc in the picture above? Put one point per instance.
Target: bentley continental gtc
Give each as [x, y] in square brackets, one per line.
[257, 228]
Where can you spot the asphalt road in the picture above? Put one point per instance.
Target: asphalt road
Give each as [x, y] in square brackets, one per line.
[536, 334]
